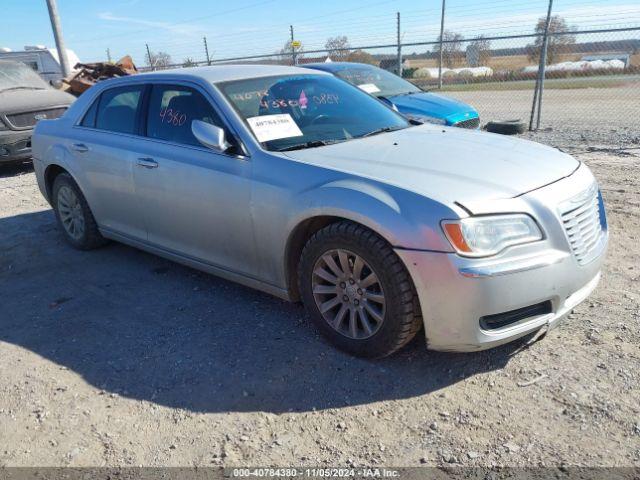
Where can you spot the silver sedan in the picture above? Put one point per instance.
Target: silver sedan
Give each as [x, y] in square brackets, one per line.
[296, 183]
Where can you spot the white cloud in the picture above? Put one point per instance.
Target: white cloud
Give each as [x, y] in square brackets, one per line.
[183, 29]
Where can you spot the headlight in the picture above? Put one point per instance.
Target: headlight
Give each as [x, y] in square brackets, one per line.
[426, 119]
[484, 236]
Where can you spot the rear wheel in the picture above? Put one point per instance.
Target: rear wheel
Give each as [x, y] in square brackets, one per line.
[357, 291]
[74, 215]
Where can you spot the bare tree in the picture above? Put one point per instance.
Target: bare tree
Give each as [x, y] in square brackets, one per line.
[159, 59]
[479, 52]
[338, 48]
[557, 44]
[189, 62]
[451, 49]
[360, 56]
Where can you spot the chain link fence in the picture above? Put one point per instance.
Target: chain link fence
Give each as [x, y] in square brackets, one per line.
[583, 83]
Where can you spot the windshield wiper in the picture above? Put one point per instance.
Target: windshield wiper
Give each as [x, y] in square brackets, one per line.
[309, 144]
[379, 131]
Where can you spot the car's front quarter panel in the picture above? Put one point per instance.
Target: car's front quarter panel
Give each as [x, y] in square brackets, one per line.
[288, 193]
[518, 277]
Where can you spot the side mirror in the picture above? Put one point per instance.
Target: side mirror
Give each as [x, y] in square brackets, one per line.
[210, 136]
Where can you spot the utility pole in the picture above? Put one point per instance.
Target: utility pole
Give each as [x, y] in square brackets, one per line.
[543, 62]
[542, 65]
[206, 50]
[441, 40]
[149, 57]
[57, 35]
[108, 55]
[293, 48]
[399, 49]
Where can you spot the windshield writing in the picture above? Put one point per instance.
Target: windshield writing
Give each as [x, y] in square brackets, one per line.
[307, 110]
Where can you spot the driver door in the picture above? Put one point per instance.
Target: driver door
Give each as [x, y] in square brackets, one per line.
[196, 201]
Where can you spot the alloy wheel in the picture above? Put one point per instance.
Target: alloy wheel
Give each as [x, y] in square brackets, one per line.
[348, 294]
[70, 211]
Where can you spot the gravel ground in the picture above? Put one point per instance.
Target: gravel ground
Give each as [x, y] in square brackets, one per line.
[117, 357]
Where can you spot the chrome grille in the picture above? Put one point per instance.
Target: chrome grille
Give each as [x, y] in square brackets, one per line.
[583, 224]
[472, 123]
[29, 119]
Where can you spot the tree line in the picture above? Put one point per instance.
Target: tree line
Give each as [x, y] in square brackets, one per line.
[477, 52]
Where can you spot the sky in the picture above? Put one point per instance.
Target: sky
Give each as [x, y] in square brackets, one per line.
[253, 27]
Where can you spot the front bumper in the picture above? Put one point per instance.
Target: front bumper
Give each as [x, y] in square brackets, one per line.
[455, 292]
[453, 303]
[15, 145]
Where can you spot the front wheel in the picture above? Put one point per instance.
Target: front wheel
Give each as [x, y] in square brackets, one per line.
[357, 291]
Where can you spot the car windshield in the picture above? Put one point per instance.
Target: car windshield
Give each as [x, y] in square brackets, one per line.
[376, 81]
[305, 111]
[16, 75]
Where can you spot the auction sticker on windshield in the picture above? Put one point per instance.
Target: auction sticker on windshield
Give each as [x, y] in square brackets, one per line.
[274, 127]
[369, 87]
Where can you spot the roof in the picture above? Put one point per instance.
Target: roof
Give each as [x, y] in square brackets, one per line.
[223, 73]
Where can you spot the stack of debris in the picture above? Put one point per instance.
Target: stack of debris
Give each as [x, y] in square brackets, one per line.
[89, 74]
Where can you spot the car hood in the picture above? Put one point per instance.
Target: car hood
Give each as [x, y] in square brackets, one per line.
[15, 101]
[433, 105]
[445, 163]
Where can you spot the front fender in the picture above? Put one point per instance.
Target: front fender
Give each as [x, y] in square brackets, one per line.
[404, 219]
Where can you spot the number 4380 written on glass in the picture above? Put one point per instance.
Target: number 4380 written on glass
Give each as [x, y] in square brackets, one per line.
[173, 117]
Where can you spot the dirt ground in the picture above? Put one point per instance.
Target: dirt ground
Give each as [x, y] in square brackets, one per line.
[570, 118]
[120, 358]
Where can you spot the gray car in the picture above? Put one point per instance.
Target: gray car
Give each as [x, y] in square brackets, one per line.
[299, 184]
[24, 99]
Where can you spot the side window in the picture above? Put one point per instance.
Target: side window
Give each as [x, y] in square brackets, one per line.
[118, 109]
[89, 119]
[172, 108]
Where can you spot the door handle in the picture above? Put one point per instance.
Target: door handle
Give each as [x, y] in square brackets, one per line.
[80, 147]
[147, 162]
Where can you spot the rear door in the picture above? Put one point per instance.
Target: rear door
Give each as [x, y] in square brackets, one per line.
[104, 147]
[196, 200]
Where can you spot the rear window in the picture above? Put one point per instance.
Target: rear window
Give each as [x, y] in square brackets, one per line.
[89, 119]
[116, 110]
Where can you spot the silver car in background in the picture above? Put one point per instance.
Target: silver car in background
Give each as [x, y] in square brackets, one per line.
[299, 184]
[24, 100]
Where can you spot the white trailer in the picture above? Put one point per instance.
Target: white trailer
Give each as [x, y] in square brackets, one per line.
[41, 59]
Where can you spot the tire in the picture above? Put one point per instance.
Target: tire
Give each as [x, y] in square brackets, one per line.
[390, 305]
[88, 237]
[506, 127]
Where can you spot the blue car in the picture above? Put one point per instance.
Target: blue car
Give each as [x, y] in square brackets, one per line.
[408, 99]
